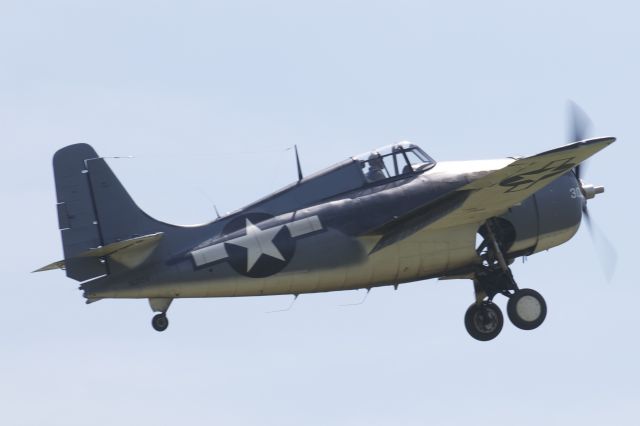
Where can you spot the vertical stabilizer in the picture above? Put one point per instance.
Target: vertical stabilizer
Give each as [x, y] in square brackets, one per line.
[119, 217]
[77, 218]
[94, 210]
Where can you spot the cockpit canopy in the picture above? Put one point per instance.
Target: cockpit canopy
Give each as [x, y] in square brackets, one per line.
[393, 160]
[369, 169]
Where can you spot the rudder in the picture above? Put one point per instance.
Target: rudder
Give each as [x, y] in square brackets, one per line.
[77, 218]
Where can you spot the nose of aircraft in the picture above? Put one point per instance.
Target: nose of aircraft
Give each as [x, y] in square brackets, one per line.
[590, 191]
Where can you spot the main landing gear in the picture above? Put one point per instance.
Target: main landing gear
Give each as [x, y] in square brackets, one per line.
[160, 322]
[526, 308]
[484, 320]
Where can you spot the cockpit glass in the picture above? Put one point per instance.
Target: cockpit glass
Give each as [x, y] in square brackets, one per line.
[392, 161]
[375, 169]
[416, 158]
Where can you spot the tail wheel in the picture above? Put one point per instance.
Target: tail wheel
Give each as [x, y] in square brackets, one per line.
[483, 321]
[160, 322]
[526, 309]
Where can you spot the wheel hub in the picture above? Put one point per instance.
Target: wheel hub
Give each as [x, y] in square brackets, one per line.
[485, 321]
[528, 308]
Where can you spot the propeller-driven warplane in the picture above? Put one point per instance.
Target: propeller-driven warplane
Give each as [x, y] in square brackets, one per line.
[387, 217]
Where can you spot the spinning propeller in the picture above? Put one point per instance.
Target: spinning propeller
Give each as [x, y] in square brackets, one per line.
[579, 126]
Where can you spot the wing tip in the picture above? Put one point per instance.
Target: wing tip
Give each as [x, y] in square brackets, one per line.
[607, 139]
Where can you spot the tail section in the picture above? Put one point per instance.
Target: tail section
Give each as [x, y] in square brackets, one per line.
[94, 210]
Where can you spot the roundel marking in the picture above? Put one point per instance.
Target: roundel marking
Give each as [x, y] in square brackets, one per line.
[258, 253]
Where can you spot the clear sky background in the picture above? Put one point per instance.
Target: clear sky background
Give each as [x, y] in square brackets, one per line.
[208, 96]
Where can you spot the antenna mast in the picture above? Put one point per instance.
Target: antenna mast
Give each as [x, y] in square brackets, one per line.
[295, 147]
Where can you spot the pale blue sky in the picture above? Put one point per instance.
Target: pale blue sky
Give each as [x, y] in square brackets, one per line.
[208, 95]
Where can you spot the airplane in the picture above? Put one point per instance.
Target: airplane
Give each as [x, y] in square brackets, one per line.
[387, 217]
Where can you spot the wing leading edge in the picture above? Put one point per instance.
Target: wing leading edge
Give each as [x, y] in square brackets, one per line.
[492, 194]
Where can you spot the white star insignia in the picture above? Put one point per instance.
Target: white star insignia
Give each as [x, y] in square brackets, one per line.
[258, 242]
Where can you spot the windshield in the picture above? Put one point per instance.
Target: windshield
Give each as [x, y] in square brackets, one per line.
[392, 161]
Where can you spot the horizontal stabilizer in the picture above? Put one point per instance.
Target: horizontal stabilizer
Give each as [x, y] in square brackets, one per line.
[131, 252]
[50, 267]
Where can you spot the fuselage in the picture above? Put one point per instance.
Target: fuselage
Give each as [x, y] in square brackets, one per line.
[327, 244]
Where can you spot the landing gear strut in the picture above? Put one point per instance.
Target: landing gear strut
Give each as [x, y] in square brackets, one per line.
[526, 308]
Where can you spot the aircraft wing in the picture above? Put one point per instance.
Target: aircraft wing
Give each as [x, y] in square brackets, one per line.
[492, 194]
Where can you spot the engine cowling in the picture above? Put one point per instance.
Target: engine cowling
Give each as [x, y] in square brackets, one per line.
[548, 218]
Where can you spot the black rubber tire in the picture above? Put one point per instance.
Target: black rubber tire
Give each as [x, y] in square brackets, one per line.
[484, 321]
[160, 322]
[526, 300]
